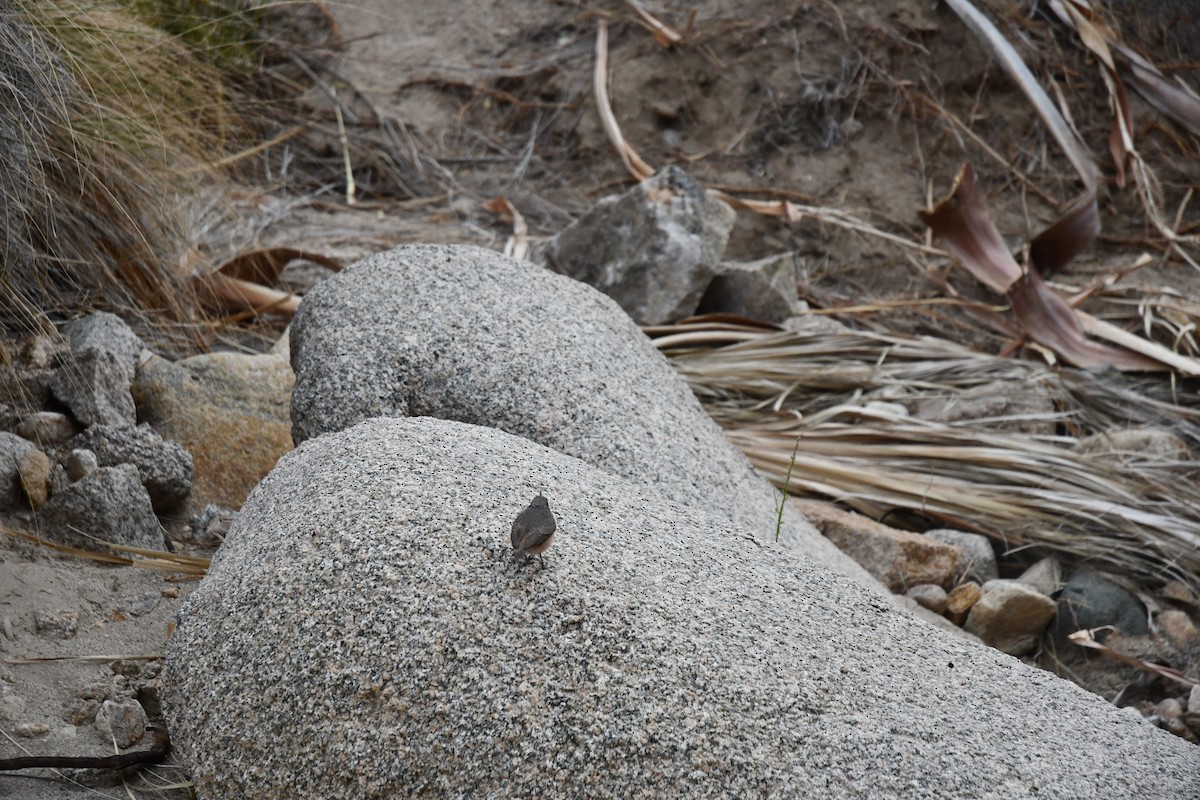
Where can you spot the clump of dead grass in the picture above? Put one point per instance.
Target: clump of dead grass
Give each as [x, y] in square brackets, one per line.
[828, 414]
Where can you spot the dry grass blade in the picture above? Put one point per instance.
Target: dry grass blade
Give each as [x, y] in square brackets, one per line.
[1087, 638]
[157, 560]
[517, 245]
[663, 33]
[769, 389]
[633, 162]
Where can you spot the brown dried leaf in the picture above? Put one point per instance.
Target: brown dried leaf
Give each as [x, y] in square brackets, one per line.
[962, 222]
[1087, 638]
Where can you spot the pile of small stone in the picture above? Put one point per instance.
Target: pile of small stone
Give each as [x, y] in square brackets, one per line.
[953, 579]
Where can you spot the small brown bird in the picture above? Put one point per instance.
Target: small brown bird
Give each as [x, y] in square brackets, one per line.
[533, 530]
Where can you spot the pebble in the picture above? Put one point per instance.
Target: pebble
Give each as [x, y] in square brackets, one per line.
[34, 472]
[124, 720]
[1045, 576]
[60, 624]
[960, 601]
[930, 596]
[30, 730]
[80, 463]
[1010, 616]
[47, 428]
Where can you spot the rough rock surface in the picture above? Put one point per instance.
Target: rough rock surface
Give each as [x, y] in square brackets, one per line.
[165, 467]
[978, 555]
[106, 333]
[230, 411]
[365, 633]
[464, 333]
[763, 289]
[110, 504]
[12, 450]
[899, 559]
[47, 428]
[653, 249]
[95, 386]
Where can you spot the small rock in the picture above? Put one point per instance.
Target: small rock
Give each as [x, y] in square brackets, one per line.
[653, 249]
[960, 601]
[763, 290]
[47, 428]
[83, 711]
[165, 468]
[979, 557]
[34, 472]
[929, 596]
[1010, 616]
[80, 463]
[1133, 712]
[1180, 631]
[1191, 714]
[1045, 576]
[60, 624]
[106, 333]
[30, 730]
[12, 449]
[209, 527]
[899, 559]
[1089, 600]
[110, 505]
[1179, 592]
[144, 603]
[10, 632]
[124, 720]
[95, 386]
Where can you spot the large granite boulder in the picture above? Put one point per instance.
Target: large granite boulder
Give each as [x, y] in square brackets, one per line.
[365, 632]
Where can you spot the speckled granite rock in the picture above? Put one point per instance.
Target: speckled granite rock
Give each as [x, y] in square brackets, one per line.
[463, 333]
[364, 632]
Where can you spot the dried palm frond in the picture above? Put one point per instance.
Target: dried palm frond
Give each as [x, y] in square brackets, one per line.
[779, 393]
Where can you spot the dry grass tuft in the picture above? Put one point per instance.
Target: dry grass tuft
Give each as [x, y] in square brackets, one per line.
[814, 395]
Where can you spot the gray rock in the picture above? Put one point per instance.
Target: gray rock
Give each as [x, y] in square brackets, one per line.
[95, 386]
[653, 249]
[12, 450]
[395, 648]
[763, 290]
[47, 428]
[979, 557]
[209, 528]
[466, 334]
[1090, 600]
[122, 720]
[1045, 576]
[929, 595]
[165, 468]
[110, 505]
[106, 333]
[1010, 616]
[80, 463]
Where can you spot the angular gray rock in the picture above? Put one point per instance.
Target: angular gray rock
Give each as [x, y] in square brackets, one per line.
[1044, 575]
[165, 468]
[94, 382]
[653, 249]
[763, 290]
[978, 555]
[466, 334]
[13, 450]
[394, 649]
[94, 385]
[106, 333]
[110, 504]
